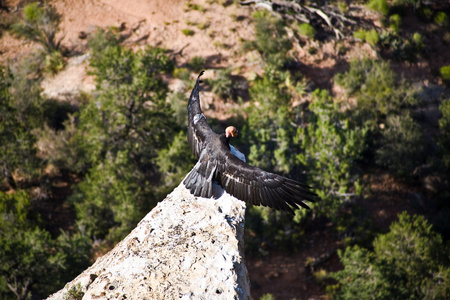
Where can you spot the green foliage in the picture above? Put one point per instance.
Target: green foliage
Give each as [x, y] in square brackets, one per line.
[20, 113]
[372, 37]
[197, 64]
[25, 255]
[188, 32]
[444, 137]
[271, 40]
[409, 262]
[40, 25]
[74, 293]
[331, 147]
[445, 72]
[109, 201]
[377, 89]
[415, 4]
[307, 30]
[404, 48]
[380, 6]
[203, 25]
[222, 85]
[28, 252]
[198, 7]
[181, 73]
[271, 134]
[395, 22]
[267, 229]
[175, 161]
[77, 248]
[15, 210]
[271, 130]
[62, 148]
[288, 140]
[54, 62]
[267, 297]
[120, 133]
[102, 39]
[441, 19]
[369, 36]
[402, 146]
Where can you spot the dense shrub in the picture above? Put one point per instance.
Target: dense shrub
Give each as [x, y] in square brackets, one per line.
[403, 47]
[27, 251]
[41, 25]
[380, 6]
[445, 73]
[121, 132]
[409, 262]
[377, 89]
[444, 137]
[20, 113]
[331, 147]
[441, 19]
[402, 147]
[395, 22]
[269, 124]
[307, 30]
[271, 40]
[222, 85]
[369, 36]
[197, 63]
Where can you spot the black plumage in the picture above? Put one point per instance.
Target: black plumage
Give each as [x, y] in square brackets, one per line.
[216, 163]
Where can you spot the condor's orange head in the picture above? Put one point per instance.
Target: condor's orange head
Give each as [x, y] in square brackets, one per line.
[231, 131]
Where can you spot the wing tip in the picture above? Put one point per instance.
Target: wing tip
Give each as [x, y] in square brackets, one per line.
[200, 75]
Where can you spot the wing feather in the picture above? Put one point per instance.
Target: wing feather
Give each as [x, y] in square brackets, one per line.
[198, 128]
[259, 187]
[216, 162]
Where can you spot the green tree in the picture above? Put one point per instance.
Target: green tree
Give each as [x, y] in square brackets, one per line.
[121, 132]
[27, 252]
[269, 129]
[290, 140]
[332, 146]
[270, 39]
[222, 85]
[409, 262]
[377, 89]
[444, 137]
[20, 113]
[380, 6]
[402, 146]
[174, 162]
[40, 25]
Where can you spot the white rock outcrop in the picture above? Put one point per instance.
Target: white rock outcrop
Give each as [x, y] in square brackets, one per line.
[185, 248]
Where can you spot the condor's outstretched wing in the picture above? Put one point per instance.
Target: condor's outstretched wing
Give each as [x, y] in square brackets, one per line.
[216, 162]
[258, 187]
[198, 128]
[245, 182]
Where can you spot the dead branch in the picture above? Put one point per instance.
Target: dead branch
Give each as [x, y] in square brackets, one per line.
[326, 15]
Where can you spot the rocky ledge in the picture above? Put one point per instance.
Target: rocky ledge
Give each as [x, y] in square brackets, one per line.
[185, 248]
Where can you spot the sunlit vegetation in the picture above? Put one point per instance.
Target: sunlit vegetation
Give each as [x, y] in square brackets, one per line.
[120, 149]
[188, 32]
[409, 262]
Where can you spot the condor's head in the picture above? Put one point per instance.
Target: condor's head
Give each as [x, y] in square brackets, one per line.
[230, 132]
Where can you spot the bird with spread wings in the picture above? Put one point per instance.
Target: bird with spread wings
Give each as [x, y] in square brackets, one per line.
[218, 162]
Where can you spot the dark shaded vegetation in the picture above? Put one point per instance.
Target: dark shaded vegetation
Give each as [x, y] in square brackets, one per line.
[124, 148]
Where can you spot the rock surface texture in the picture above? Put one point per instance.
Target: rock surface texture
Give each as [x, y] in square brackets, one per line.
[185, 248]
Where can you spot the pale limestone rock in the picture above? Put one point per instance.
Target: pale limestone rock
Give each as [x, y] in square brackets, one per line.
[185, 248]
